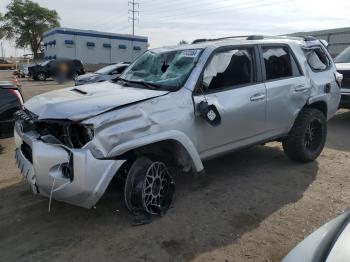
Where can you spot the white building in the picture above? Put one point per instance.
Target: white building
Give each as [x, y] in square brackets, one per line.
[93, 47]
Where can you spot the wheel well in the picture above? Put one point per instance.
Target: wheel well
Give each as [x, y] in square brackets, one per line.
[40, 72]
[322, 106]
[169, 151]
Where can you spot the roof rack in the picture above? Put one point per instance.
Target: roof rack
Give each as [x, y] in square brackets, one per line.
[256, 37]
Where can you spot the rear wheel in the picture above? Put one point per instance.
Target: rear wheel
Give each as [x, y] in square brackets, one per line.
[41, 76]
[307, 138]
[149, 188]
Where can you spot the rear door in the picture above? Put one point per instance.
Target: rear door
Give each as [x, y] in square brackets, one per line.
[287, 89]
[234, 88]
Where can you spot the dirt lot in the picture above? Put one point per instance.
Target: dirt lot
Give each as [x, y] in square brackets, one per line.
[254, 205]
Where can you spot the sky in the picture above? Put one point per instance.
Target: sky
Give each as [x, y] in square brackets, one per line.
[166, 22]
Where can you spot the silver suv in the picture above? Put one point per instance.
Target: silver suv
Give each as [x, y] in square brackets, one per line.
[173, 108]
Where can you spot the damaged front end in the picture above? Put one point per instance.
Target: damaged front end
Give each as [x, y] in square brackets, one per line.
[52, 157]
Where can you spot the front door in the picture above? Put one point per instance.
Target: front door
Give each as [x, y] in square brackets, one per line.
[231, 85]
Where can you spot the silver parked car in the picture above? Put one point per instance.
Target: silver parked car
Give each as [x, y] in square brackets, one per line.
[172, 109]
[329, 243]
[106, 73]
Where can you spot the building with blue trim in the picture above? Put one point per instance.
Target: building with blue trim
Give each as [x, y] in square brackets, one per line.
[93, 47]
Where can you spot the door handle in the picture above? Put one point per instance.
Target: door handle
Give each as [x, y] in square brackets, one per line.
[257, 97]
[300, 88]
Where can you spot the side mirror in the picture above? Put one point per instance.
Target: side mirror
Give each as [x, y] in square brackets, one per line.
[210, 113]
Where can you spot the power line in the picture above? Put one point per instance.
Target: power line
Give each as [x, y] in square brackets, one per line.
[170, 7]
[133, 11]
[226, 9]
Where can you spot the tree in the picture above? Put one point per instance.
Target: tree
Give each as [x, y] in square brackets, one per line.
[26, 22]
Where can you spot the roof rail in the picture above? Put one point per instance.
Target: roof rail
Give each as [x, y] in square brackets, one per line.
[257, 37]
[201, 40]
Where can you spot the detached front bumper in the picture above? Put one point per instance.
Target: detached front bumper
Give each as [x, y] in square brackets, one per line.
[41, 164]
[345, 98]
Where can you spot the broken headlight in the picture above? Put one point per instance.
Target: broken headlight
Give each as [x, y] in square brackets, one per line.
[73, 135]
[79, 135]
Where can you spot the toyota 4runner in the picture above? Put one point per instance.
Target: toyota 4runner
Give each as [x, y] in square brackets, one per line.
[173, 108]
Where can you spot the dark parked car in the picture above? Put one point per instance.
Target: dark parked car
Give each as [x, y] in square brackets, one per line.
[106, 73]
[342, 62]
[50, 68]
[11, 100]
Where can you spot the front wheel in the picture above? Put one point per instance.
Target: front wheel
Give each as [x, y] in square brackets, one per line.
[149, 188]
[307, 137]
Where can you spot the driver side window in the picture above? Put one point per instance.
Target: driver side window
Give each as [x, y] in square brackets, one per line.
[229, 69]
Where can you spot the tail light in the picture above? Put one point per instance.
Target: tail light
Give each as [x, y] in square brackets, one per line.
[18, 95]
[339, 78]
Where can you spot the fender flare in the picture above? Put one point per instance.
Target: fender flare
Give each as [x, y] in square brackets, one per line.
[318, 98]
[175, 135]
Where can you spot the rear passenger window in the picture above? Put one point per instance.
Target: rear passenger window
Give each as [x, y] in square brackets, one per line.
[229, 69]
[317, 59]
[279, 63]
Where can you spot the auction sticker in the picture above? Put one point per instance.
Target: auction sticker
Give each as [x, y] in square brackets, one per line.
[190, 52]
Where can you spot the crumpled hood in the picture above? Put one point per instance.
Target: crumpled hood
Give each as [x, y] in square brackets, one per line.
[81, 102]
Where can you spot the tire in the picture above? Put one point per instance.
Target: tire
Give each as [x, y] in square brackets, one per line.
[307, 137]
[40, 76]
[149, 187]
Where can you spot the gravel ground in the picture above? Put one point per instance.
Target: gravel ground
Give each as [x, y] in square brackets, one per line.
[253, 205]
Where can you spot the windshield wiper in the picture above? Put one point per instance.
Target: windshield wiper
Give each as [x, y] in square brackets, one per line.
[145, 84]
[150, 85]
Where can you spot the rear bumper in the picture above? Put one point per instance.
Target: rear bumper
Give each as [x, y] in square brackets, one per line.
[44, 170]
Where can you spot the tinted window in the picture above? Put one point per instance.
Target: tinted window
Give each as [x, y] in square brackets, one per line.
[279, 63]
[317, 59]
[229, 68]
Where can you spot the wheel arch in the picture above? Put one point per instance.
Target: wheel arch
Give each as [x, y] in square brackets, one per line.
[318, 104]
[173, 145]
[315, 102]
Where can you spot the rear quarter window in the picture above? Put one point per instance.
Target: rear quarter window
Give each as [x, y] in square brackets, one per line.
[317, 59]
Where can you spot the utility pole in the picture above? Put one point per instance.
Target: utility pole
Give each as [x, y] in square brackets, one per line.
[132, 11]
